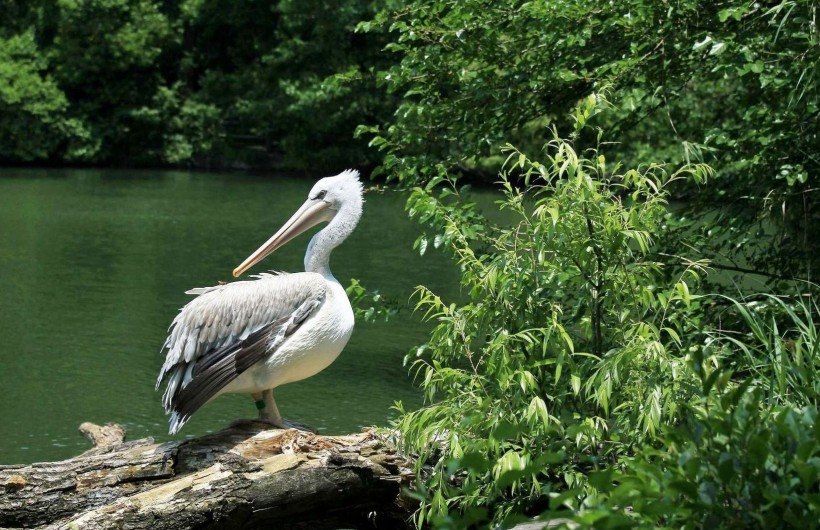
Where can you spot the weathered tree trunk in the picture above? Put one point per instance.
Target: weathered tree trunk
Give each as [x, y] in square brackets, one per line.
[247, 476]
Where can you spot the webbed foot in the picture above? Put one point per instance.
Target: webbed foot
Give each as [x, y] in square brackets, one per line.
[281, 423]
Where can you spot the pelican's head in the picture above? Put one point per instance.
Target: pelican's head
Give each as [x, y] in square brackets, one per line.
[330, 197]
[344, 191]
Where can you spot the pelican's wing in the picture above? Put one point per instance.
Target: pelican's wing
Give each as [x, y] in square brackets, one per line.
[226, 330]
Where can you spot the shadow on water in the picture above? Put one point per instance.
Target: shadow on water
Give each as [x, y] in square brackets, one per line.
[94, 265]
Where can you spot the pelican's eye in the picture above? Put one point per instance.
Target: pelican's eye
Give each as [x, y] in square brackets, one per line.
[321, 195]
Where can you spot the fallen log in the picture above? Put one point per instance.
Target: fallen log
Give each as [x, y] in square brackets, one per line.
[246, 476]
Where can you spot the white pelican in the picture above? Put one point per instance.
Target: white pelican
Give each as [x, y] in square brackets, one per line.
[252, 336]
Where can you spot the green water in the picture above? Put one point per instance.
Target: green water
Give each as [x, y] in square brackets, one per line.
[93, 268]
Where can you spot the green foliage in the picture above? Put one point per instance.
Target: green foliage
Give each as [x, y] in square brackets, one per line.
[31, 104]
[569, 349]
[746, 452]
[323, 71]
[369, 305]
[578, 382]
[582, 375]
[728, 82]
[779, 349]
[108, 57]
[760, 61]
[189, 128]
[738, 465]
[199, 81]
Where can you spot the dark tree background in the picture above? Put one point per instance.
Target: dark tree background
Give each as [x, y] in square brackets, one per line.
[212, 82]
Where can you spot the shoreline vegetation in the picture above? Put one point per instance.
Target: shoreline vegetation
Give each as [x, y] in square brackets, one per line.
[595, 370]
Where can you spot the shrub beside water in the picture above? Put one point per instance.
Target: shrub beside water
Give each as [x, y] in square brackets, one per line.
[580, 378]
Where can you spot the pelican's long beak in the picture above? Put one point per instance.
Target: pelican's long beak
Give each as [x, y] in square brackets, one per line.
[311, 213]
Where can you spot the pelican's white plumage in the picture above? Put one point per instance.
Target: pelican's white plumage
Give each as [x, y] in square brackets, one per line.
[252, 336]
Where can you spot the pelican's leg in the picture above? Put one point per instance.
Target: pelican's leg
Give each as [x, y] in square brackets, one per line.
[260, 406]
[257, 399]
[271, 411]
[271, 415]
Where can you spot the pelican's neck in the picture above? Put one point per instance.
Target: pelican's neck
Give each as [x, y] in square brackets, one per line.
[317, 257]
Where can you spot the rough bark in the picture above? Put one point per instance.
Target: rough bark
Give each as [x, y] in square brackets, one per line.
[246, 476]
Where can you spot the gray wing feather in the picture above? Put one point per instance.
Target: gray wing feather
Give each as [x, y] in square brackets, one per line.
[226, 330]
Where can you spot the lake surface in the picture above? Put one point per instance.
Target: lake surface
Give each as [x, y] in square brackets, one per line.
[94, 265]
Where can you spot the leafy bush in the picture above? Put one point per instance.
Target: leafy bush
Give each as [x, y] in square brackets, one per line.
[746, 451]
[568, 351]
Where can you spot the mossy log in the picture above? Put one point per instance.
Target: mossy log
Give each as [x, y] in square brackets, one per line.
[246, 476]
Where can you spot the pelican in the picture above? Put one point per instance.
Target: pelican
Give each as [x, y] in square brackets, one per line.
[253, 336]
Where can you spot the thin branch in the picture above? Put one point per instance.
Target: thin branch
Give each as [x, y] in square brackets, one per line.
[733, 268]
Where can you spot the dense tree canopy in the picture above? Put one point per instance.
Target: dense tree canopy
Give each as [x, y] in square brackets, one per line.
[731, 83]
[192, 82]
